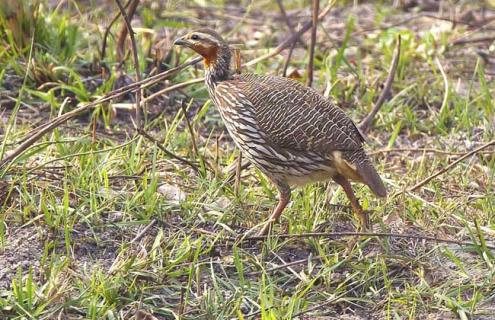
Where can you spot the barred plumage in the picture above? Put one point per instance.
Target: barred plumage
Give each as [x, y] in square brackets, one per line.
[289, 131]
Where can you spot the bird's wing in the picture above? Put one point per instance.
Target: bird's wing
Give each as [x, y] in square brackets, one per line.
[291, 115]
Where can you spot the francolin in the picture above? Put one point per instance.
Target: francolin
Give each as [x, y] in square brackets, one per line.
[289, 131]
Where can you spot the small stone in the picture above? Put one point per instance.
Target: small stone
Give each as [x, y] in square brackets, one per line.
[171, 192]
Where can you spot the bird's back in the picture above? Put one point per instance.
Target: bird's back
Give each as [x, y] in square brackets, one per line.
[311, 122]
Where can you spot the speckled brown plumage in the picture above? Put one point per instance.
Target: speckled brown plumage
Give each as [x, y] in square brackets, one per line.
[289, 131]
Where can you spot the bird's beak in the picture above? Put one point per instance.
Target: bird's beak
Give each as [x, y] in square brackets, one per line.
[182, 42]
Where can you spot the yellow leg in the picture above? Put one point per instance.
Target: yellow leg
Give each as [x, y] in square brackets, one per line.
[364, 222]
[284, 198]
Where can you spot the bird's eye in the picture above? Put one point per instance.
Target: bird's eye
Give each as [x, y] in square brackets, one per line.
[195, 37]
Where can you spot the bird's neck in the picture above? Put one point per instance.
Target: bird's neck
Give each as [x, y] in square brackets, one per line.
[217, 66]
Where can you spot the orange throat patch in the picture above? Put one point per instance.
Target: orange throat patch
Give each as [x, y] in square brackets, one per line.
[209, 55]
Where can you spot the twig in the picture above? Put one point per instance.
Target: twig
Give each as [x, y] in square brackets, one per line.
[287, 22]
[93, 133]
[423, 150]
[172, 88]
[132, 9]
[450, 166]
[238, 169]
[35, 134]
[287, 61]
[237, 60]
[293, 31]
[189, 127]
[231, 170]
[473, 40]
[107, 32]
[167, 152]
[125, 28]
[455, 21]
[181, 304]
[287, 42]
[143, 232]
[365, 124]
[346, 234]
[314, 25]
[160, 76]
[217, 155]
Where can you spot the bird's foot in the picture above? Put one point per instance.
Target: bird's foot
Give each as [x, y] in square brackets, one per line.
[267, 227]
[364, 225]
[364, 221]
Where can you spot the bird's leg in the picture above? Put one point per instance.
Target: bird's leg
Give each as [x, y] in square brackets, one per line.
[284, 198]
[362, 215]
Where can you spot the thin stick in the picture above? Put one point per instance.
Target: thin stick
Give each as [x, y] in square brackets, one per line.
[423, 150]
[365, 124]
[287, 62]
[454, 21]
[237, 60]
[473, 40]
[189, 127]
[238, 170]
[346, 234]
[107, 32]
[172, 88]
[287, 22]
[287, 42]
[314, 25]
[132, 9]
[217, 155]
[450, 166]
[93, 133]
[174, 70]
[167, 152]
[125, 28]
[231, 170]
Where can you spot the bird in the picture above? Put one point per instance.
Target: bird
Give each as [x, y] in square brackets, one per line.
[290, 132]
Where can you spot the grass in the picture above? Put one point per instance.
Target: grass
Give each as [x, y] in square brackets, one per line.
[73, 204]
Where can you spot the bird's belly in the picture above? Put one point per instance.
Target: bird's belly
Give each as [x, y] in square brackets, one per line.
[315, 176]
[295, 170]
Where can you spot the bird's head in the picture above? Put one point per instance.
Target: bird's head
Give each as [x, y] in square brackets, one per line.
[206, 42]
